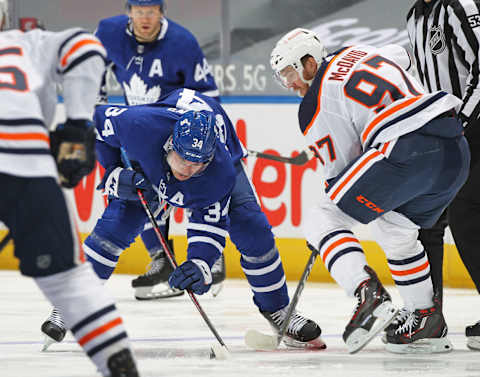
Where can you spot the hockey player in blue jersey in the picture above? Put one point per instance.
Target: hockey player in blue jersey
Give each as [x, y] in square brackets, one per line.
[150, 56]
[186, 153]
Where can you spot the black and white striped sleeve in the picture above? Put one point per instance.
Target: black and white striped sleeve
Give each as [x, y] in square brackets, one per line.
[464, 18]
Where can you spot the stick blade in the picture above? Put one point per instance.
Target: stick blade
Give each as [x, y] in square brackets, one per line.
[219, 352]
[261, 342]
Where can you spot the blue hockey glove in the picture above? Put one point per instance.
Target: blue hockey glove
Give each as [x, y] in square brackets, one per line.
[193, 274]
[123, 183]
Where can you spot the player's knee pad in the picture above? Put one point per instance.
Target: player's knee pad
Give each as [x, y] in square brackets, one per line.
[323, 219]
[102, 254]
[267, 279]
[121, 222]
[396, 235]
[246, 220]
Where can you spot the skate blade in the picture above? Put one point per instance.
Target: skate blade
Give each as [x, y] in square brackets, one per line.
[424, 346]
[473, 343]
[47, 342]
[263, 342]
[146, 293]
[359, 338]
[216, 289]
[315, 344]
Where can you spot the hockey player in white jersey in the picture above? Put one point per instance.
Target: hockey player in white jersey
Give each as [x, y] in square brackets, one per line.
[393, 156]
[32, 203]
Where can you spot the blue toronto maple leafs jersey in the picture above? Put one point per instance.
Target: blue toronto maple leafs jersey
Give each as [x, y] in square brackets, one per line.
[146, 71]
[144, 132]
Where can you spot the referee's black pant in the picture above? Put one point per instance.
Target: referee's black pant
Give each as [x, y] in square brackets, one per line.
[464, 221]
[464, 211]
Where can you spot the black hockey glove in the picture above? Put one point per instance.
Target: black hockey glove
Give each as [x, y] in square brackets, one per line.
[73, 147]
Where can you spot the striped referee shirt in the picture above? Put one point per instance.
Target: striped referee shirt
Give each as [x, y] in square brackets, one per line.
[445, 38]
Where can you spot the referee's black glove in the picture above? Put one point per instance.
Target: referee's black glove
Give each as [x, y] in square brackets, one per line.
[73, 147]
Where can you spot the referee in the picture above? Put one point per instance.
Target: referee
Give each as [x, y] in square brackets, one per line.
[445, 39]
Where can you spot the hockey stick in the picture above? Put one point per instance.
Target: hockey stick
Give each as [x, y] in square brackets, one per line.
[216, 351]
[5, 240]
[259, 341]
[300, 159]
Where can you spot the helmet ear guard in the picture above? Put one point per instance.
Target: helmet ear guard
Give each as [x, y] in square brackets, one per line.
[194, 137]
[292, 47]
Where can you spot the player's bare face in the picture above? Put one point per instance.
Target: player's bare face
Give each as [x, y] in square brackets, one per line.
[146, 21]
[183, 169]
[291, 79]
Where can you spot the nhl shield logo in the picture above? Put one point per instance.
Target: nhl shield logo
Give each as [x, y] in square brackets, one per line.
[436, 40]
[44, 261]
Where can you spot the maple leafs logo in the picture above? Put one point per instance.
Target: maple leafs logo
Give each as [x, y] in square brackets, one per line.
[137, 93]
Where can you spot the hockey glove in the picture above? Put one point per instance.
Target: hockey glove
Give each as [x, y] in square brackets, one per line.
[73, 147]
[193, 274]
[123, 184]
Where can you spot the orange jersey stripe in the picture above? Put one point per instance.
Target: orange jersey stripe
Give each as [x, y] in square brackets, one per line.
[320, 94]
[75, 47]
[337, 243]
[382, 116]
[29, 136]
[385, 147]
[100, 330]
[355, 171]
[411, 271]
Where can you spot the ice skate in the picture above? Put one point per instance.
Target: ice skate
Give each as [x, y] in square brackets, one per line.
[398, 320]
[473, 336]
[301, 332]
[54, 329]
[424, 331]
[122, 364]
[157, 275]
[218, 276]
[373, 313]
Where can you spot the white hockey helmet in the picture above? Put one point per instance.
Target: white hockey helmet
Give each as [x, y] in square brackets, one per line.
[3, 14]
[291, 48]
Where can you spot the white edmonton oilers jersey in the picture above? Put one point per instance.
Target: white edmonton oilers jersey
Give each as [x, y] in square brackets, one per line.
[363, 97]
[31, 66]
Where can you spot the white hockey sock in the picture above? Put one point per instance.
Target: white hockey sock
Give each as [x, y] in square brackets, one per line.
[412, 278]
[88, 312]
[343, 257]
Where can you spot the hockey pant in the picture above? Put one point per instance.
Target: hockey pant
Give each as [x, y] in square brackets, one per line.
[252, 235]
[403, 185]
[48, 247]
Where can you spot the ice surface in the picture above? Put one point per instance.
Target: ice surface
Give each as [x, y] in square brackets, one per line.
[170, 338]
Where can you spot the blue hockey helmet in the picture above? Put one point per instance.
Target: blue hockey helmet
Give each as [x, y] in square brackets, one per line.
[145, 2]
[194, 137]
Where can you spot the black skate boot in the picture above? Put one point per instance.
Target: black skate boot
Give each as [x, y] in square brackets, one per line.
[54, 329]
[301, 332]
[424, 331]
[158, 273]
[374, 312]
[398, 320]
[473, 336]
[218, 275]
[122, 364]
